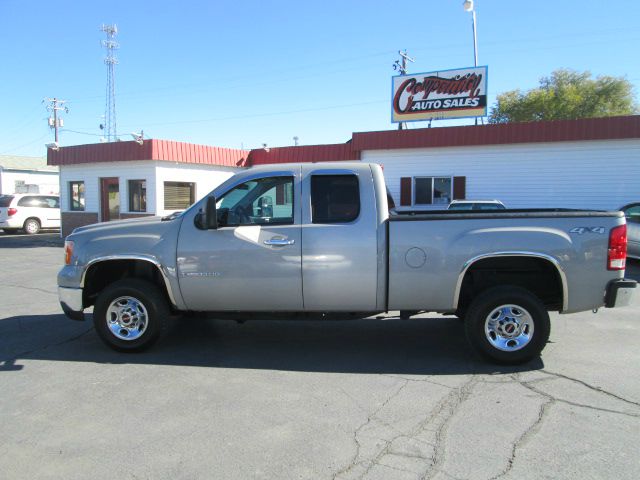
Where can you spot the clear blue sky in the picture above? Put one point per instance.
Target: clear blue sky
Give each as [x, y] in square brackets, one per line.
[244, 73]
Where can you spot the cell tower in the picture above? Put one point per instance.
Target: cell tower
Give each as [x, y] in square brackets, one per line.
[110, 61]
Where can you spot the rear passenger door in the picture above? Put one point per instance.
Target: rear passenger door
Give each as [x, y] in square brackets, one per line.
[52, 205]
[339, 240]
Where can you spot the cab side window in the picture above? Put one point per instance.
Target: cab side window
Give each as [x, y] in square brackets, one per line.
[263, 201]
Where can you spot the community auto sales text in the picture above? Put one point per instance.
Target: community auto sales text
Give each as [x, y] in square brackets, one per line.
[418, 100]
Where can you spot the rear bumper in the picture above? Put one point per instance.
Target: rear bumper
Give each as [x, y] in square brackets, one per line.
[71, 302]
[10, 223]
[619, 293]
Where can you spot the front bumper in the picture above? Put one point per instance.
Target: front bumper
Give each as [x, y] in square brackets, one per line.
[71, 302]
[619, 293]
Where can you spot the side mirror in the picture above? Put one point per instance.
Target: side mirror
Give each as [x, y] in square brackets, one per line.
[207, 219]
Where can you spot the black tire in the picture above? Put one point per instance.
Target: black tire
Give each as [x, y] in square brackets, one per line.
[527, 315]
[31, 226]
[155, 321]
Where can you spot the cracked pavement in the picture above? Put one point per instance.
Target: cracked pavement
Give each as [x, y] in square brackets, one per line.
[387, 399]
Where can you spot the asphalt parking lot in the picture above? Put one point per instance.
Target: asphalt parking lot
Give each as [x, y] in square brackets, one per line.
[388, 399]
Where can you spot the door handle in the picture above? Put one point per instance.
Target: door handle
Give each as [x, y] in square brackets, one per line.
[279, 242]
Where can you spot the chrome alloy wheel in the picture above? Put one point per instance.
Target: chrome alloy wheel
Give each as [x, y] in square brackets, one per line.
[127, 318]
[509, 328]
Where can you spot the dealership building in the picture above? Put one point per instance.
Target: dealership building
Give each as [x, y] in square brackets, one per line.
[587, 163]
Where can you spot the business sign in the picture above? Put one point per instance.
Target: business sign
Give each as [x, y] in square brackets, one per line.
[446, 94]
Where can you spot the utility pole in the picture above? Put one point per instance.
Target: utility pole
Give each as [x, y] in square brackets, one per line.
[401, 66]
[110, 61]
[55, 104]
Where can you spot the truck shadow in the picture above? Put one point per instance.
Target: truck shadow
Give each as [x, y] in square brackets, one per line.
[425, 346]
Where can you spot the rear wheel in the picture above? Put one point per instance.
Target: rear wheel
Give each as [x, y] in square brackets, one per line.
[130, 315]
[31, 226]
[507, 325]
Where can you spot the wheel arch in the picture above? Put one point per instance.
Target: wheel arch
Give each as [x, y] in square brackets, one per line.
[551, 263]
[115, 267]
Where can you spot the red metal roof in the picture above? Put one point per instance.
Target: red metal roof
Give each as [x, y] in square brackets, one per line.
[611, 128]
[152, 149]
[306, 153]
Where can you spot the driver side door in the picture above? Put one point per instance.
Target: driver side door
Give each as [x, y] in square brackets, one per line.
[252, 261]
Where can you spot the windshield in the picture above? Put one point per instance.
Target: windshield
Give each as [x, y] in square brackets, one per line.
[5, 200]
[460, 206]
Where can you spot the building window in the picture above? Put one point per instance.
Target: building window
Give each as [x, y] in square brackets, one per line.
[179, 195]
[432, 190]
[137, 195]
[76, 196]
[334, 198]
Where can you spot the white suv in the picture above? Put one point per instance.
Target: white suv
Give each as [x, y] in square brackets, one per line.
[29, 212]
[476, 205]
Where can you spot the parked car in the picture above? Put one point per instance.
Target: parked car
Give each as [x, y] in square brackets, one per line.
[29, 212]
[476, 205]
[632, 213]
[330, 230]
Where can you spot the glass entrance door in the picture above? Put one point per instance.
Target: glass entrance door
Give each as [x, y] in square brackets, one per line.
[110, 199]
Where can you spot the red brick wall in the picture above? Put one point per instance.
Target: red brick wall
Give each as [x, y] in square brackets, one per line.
[71, 220]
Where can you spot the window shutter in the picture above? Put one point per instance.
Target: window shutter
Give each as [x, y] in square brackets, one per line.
[280, 200]
[178, 195]
[405, 191]
[459, 188]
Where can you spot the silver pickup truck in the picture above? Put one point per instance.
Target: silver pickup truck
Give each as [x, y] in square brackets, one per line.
[318, 240]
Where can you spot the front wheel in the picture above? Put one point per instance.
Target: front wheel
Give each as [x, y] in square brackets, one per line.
[507, 325]
[130, 315]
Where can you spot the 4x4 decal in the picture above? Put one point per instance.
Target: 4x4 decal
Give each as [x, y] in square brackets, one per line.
[581, 230]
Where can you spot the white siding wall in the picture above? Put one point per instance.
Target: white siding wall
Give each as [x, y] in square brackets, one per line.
[155, 173]
[593, 174]
[205, 178]
[90, 174]
[48, 182]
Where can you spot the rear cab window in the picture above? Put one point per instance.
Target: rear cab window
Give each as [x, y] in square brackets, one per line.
[335, 198]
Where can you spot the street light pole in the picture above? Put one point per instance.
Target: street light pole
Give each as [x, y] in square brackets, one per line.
[475, 38]
[469, 7]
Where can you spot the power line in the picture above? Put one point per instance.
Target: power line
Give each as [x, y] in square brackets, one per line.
[25, 144]
[271, 114]
[82, 133]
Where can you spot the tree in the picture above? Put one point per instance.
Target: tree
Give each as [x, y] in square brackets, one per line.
[566, 94]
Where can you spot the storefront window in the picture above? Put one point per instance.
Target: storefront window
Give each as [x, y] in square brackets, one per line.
[137, 195]
[76, 196]
[433, 190]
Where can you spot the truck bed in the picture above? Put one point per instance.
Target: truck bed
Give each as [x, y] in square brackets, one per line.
[429, 253]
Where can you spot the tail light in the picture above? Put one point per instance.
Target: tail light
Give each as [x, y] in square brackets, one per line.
[617, 256]
[68, 252]
[12, 211]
